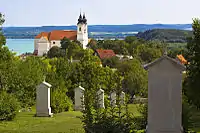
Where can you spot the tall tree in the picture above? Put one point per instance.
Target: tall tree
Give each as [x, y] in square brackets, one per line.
[192, 84]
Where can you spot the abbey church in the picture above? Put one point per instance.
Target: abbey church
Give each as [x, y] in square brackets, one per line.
[46, 40]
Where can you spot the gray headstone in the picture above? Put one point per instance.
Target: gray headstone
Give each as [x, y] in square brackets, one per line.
[113, 98]
[43, 108]
[164, 96]
[79, 98]
[122, 98]
[100, 94]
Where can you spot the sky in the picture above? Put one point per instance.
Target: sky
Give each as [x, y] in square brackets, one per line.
[98, 12]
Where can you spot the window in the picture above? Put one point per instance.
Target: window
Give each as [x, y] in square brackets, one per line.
[79, 28]
[85, 31]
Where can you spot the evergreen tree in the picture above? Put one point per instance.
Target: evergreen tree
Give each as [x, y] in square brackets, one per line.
[192, 84]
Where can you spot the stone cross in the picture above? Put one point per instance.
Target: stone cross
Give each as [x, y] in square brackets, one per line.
[79, 98]
[122, 98]
[100, 94]
[164, 95]
[43, 108]
[113, 98]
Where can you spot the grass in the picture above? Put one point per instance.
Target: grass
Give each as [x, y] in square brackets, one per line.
[66, 122]
[25, 122]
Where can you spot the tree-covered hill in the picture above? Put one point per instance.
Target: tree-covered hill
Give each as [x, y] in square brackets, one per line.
[166, 35]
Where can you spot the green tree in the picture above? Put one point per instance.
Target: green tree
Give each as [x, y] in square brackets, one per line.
[135, 77]
[111, 62]
[191, 84]
[64, 43]
[55, 52]
[146, 53]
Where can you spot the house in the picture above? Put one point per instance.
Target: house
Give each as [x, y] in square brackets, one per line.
[46, 40]
[104, 54]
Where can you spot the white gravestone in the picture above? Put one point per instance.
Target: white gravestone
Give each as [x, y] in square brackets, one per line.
[100, 94]
[43, 108]
[79, 98]
[113, 98]
[164, 96]
[122, 98]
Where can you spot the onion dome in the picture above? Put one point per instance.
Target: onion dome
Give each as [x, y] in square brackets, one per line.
[84, 19]
[80, 19]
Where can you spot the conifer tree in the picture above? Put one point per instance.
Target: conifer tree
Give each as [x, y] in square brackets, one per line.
[192, 82]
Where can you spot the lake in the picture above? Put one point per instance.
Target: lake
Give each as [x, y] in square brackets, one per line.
[20, 45]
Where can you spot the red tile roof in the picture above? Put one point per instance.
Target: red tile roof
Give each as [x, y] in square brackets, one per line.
[58, 35]
[105, 53]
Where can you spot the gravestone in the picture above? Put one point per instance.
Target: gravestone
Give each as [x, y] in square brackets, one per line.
[164, 96]
[79, 98]
[113, 98]
[100, 94]
[122, 98]
[43, 108]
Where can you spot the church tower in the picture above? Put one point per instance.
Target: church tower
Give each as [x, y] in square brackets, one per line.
[82, 31]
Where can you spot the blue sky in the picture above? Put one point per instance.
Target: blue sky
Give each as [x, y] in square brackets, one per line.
[66, 12]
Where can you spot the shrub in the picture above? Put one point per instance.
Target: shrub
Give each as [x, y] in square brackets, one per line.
[9, 106]
[112, 119]
[141, 122]
[186, 114]
[60, 102]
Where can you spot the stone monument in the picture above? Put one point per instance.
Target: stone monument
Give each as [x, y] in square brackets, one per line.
[100, 94]
[122, 98]
[79, 98]
[43, 108]
[164, 95]
[113, 98]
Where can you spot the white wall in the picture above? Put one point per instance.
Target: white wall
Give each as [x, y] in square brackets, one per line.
[36, 44]
[82, 36]
[43, 46]
[57, 43]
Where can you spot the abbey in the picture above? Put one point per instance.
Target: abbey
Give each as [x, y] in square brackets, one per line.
[46, 40]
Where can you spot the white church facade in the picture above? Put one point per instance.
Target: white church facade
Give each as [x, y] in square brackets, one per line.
[46, 40]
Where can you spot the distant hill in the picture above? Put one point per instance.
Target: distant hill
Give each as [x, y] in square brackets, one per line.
[118, 31]
[166, 35]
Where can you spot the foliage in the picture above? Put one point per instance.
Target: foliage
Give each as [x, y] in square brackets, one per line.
[28, 75]
[60, 102]
[135, 77]
[166, 35]
[111, 62]
[58, 76]
[115, 119]
[142, 120]
[9, 106]
[191, 84]
[55, 52]
[186, 114]
[147, 53]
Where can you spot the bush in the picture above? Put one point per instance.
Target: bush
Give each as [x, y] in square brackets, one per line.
[9, 106]
[141, 122]
[60, 102]
[112, 119]
[186, 114]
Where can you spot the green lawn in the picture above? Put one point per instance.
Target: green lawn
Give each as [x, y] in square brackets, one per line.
[66, 122]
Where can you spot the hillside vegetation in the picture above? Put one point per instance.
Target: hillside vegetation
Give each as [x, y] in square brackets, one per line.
[166, 35]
